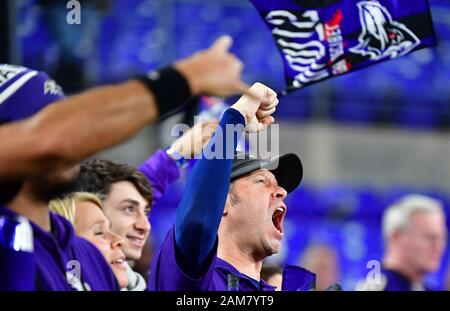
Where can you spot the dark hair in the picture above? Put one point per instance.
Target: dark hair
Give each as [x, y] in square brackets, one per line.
[97, 176]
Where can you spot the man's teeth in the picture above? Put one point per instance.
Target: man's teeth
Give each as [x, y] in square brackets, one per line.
[120, 261]
[280, 209]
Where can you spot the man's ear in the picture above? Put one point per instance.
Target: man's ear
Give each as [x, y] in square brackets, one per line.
[227, 206]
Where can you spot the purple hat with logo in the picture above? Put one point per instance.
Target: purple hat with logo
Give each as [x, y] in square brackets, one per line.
[24, 92]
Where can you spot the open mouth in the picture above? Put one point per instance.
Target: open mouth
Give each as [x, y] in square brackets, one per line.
[277, 218]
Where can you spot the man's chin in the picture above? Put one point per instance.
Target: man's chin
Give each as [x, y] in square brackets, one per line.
[274, 249]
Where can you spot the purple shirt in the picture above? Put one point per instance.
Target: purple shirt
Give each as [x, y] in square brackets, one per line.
[60, 255]
[167, 274]
[161, 170]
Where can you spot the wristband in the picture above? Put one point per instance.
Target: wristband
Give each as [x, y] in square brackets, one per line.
[180, 161]
[170, 88]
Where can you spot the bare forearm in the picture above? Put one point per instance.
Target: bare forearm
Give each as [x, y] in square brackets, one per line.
[67, 132]
[100, 118]
[75, 128]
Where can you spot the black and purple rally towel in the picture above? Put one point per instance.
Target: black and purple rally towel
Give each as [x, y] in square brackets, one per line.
[319, 39]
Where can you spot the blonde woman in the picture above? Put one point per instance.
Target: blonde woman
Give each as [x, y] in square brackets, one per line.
[84, 211]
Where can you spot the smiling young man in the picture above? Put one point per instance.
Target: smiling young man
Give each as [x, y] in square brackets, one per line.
[128, 199]
[130, 192]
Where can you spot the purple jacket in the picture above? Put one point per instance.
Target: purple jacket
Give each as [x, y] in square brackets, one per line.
[161, 170]
[167, 274]
[61, 257]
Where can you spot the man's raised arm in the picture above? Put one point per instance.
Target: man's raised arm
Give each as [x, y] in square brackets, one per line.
[77, 127]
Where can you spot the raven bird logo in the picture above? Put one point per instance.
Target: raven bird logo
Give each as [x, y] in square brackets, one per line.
[381, 36]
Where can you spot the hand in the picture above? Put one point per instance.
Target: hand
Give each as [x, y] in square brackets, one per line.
[191, 143]
[257, 113]
[214, 71]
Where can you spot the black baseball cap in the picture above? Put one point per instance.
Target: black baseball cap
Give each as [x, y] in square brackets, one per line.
[287, 168]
